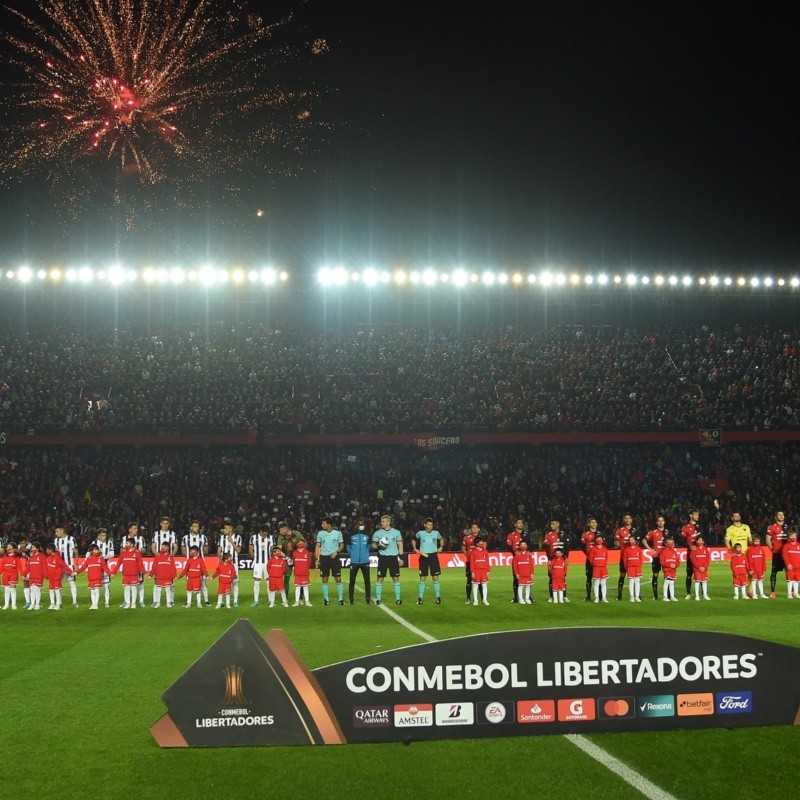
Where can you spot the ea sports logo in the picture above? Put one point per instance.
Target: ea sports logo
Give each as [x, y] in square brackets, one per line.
[495, 712]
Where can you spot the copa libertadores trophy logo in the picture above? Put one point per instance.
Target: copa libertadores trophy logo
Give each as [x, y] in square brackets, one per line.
[234, 693]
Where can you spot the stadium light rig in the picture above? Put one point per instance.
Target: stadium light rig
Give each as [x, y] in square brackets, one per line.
[117, 276]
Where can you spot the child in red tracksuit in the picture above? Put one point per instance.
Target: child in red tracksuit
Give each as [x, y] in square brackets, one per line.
[757, 555]
[194, 571]
[700, 558]
[523, 564]
[739, 570]
[226, 573]
[557, 569]
[276, 571]
[632, 557]
[36, 572]
[670, 560]
[56, 567]
[301, 559]
[94, 565]
[164, 573]
[598, 558]
[132, 567]
[479, 567]
[11, 566]
[791, 558]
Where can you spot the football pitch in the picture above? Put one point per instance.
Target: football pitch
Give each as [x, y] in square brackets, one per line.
[80, 690]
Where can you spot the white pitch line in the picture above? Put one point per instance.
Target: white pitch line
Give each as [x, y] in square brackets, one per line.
[629, 775]
[621, 770]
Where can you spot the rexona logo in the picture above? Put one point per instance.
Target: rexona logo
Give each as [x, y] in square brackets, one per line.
[416, 715]
[734, 702]
[455, 714]
[655, 705]
[695, 705]
[529, 711]
[616, 707]
[372, 717]
[496, 713]
[581, 709]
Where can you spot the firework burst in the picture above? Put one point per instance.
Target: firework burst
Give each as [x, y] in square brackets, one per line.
[162, 91]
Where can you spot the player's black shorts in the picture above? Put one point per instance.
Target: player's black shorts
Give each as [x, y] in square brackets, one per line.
[388, 564]
[330, 565]
[429, 565]
[656, 566]
[777, 562]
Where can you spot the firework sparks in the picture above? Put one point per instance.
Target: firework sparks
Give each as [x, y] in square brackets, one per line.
[158, 88]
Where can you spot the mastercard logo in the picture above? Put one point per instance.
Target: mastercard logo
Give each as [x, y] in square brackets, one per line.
[616, 707]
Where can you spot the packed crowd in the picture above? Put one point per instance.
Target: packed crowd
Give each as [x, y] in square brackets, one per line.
[391, 379]
[86, 488]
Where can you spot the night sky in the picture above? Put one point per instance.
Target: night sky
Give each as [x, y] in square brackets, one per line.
[569, 133]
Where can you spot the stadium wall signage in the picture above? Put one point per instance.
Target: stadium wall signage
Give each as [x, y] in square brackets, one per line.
[249, 690]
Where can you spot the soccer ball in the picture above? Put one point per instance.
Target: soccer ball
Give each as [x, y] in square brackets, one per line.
[383, 542]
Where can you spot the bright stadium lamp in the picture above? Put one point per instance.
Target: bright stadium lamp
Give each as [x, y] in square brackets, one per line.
[460, 277]
[488, 278]
[602, 279]
[686, 280]
[630, 280]
[429, 277]
[795, 282]
[24, 274]
[400, 277]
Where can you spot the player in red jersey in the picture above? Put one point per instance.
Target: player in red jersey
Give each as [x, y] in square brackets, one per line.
[598, 558]
[655, 542]
[791, 560]
[276, 573]
[776, 538]
[301, 556]
[557, 569]
[701, 561]
[132, 566]
[226, 573]
[689, 532]
[194, 571]
[633, 555]
[739, 570]
[523, 565]
[36, 572]
[469, 541]
[11, 566]
[757, 555]
[479, 567]
[95, 567]
[623, 533]
[587, 542]
[670, 561]
[164, 573]
[513, 542]
[56, 568]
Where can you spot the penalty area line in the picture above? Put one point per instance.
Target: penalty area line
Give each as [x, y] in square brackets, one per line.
[603, 757]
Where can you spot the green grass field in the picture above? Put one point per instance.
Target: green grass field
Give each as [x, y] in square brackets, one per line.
[80, 690]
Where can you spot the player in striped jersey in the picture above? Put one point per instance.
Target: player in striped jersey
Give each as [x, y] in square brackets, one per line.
[140, 545]
[66, 546]
[105, 547]
[196, 538]
[164, 535]
[231, 542]
[260, 548]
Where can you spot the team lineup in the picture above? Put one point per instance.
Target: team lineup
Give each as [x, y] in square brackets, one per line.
[282, 558]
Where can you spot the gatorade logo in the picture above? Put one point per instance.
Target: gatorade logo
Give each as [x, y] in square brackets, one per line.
[577, 710]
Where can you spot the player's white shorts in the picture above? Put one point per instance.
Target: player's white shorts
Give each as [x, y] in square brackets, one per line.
[259, 572]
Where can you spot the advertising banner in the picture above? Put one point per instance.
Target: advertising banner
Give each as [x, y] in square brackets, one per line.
[248, 690]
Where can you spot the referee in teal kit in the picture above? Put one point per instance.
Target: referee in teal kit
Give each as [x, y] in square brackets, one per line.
[330, 543]
[431, 544]
[388, 541]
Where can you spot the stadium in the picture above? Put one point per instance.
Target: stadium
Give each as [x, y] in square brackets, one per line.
[435, 293]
